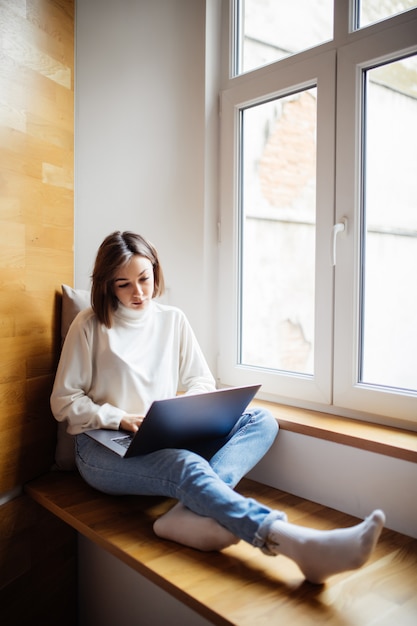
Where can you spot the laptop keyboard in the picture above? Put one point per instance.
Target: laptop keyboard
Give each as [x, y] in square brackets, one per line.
[124, 441]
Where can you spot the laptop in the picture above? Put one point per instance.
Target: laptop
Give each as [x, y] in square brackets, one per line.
[200, 423]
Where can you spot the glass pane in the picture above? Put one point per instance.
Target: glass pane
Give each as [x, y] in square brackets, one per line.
[278, 213]
[389, 292]
[371, 11]
[269, 30]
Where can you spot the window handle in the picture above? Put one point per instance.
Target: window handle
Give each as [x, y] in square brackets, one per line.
[340, 227]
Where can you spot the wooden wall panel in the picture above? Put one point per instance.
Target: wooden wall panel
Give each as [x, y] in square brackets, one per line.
[36, 222]
[37, 552]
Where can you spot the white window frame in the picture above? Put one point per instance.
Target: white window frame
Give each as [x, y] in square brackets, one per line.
[337, 197]
[353, 58]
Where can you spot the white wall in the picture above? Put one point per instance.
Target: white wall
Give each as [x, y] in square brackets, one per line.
[347, 479]
[141, 161]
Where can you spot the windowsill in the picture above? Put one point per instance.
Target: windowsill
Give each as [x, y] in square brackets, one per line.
[398, 443]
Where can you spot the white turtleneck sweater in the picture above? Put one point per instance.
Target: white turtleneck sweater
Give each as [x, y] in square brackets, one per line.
[104, 373]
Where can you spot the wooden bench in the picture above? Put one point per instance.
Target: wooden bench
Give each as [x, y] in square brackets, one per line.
[240, 585]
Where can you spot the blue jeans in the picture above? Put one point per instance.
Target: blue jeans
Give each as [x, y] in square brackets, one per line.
[204, 486]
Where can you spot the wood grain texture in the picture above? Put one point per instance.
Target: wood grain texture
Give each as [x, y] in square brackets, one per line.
[37, 551]
[394, 442]
[36, 222]
[241, 586]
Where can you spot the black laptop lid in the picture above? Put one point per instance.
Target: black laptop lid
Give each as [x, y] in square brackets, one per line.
[186, 421]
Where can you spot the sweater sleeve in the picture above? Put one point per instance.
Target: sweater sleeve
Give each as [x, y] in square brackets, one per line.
[70, 401]
[195, 374]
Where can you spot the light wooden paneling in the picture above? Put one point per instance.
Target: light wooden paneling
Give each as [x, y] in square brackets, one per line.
[37, 552]
[36, 222]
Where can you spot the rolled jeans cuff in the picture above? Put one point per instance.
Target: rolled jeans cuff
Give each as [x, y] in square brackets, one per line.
[260, 539]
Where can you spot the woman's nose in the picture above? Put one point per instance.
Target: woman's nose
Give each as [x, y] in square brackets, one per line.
[138, 289]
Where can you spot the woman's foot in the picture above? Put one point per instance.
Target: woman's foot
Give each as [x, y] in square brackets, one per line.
[320, 554]
[192, 530]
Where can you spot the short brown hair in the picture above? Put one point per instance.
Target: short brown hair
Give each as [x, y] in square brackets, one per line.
[116, 251]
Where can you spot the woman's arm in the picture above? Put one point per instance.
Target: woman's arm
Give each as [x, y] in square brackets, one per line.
[70, 400]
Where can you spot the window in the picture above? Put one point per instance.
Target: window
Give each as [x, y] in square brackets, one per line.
[277, 208]
[388, 293]
[269, 30]
[371, 11]
[318, 254]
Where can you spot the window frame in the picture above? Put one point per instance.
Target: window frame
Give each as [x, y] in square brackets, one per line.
[295, 76]
[332, 388]
[353, 59]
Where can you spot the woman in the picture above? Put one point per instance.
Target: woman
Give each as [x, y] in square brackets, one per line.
[128, 350]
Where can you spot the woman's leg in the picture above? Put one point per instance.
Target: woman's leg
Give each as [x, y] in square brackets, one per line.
[320, 554]
[190, 479]
[246, 445]
[178, 474]
[195, 531]
[248, 442]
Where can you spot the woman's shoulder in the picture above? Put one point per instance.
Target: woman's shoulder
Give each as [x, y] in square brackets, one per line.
[84, 319]
[86, 315]
[81, 326]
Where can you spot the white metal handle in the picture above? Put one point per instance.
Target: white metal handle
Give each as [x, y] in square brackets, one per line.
[340, 227]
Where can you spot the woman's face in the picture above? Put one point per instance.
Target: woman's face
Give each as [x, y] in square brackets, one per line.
[134, 283]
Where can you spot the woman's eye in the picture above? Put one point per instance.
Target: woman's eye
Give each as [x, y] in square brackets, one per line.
[123, 285]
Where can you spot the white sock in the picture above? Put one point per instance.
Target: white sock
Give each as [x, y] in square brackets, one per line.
[183, 526]
[322, 553]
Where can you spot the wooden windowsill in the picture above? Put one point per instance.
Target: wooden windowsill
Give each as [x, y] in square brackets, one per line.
[239, 586]
[398, 443]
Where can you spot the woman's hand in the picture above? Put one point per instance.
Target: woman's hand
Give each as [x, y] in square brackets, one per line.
[131, 423]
